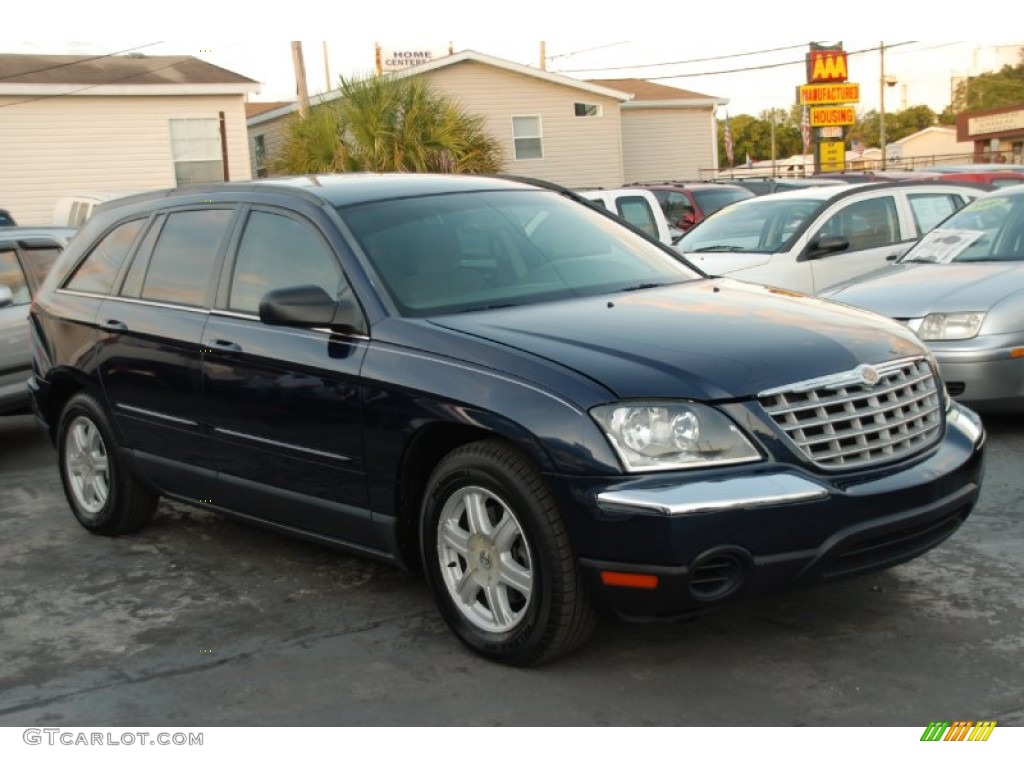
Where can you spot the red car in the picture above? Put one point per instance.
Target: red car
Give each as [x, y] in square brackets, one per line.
[687, 203]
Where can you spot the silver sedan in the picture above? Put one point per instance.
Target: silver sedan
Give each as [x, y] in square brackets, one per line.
[961, 289]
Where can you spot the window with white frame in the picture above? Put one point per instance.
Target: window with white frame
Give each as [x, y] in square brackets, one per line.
[587, 110]
[196, 150]
[526, 135]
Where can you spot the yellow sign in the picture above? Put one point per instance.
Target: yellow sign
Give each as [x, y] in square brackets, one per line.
[825, 116]
[832, 155]
[833, 93]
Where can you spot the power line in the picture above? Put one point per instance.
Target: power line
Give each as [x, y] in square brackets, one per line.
[741, 69]
[78, 61]
[687, 61]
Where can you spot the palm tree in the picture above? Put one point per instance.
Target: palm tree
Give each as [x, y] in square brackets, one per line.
[388, 123]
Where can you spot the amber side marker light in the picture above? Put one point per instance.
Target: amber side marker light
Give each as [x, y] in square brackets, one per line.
[632, 580]
[1017, 352]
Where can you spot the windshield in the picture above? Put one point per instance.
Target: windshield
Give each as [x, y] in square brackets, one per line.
[711, 200]
[765, 225]
[989, 229]
[479, 250]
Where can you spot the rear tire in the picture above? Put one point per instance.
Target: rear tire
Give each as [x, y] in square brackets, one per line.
[105, 496]
[498, 559]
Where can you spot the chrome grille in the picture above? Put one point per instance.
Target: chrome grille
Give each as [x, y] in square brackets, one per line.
[842, 422]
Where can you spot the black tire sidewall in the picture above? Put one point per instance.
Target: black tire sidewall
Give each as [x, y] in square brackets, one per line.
[522, 642]
[105, 519]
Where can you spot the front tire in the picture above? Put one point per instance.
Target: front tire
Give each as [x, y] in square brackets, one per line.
[498, 559]
[104, 494]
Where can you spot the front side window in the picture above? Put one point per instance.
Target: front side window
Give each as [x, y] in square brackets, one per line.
[866, 223]
[99, 270]
[12, 276]
[185, 255]
[526, 135]
[196, 151]
[280, 252]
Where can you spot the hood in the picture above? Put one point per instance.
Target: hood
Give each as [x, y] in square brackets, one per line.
[707, 340]
[918, 289]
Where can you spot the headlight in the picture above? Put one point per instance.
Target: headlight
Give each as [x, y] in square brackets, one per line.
[650, 436]
[952, 326]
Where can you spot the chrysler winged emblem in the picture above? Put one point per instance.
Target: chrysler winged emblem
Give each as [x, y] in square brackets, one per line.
[868, 375]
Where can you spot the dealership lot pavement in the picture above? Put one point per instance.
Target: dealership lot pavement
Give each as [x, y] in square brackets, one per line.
[199, 620]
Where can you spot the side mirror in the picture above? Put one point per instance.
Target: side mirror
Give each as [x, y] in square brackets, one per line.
[6, 296]
[310, 306]
[827, 244]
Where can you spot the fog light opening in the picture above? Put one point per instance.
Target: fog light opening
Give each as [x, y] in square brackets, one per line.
[718, 573]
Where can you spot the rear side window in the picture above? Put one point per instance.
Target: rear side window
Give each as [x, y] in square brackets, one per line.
[930, 209]
[99, 270]
[185, 255]
[38, 261]
[637, 211]
[12, 276]
[280, 252]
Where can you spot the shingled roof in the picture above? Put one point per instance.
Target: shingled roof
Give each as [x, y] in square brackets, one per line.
[27, 72]
[645, 90]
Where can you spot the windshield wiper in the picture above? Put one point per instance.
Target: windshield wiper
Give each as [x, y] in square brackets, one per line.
[642, 286]
[709, 248]
[483, 307]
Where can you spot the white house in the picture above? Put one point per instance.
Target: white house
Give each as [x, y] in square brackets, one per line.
[80, 124]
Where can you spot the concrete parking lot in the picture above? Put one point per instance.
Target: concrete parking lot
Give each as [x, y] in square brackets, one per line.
[199, 620]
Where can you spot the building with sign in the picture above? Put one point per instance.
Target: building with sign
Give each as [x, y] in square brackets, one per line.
[997, 135]
[573, 132]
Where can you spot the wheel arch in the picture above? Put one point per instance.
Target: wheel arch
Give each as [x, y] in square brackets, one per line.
[425, 449]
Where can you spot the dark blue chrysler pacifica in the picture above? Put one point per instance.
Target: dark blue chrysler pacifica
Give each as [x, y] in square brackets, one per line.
[487, 379]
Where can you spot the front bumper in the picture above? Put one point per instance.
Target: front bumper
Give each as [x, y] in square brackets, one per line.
[987, 372]
[658, 547]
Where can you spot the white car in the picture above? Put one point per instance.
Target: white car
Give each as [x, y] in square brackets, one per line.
[810, 239]
[637, 206]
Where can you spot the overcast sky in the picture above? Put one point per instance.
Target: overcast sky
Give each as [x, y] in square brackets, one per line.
[693, 48]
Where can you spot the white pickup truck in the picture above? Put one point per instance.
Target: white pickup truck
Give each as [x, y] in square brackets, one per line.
[637, 206]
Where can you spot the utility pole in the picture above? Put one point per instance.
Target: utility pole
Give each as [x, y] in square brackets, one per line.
[881, 100]
[543, 55]
[327, 70]
[300, 78]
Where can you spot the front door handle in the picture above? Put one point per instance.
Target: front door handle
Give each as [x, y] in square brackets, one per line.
[112, 324]
[226, 347]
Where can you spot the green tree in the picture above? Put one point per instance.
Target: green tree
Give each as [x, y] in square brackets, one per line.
[990, 90]
[753, 136]
[898, 125]
[387, 123]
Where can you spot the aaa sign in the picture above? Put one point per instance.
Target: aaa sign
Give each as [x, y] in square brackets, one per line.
[826, 66]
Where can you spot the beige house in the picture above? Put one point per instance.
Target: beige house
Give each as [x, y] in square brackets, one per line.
[667, 133]
[78, 125]
[572, 132]
[934, 145]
